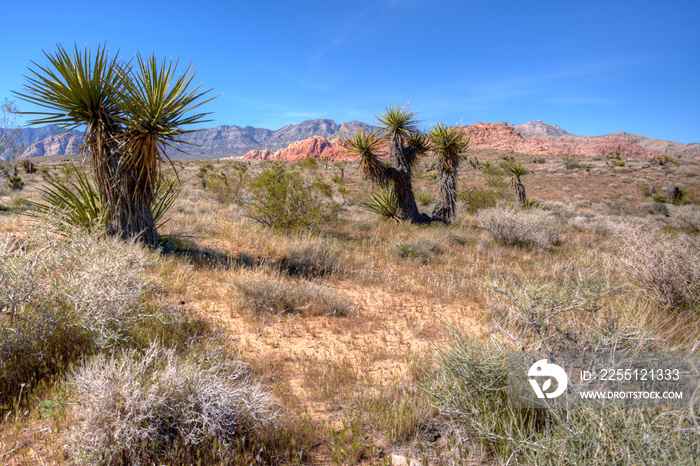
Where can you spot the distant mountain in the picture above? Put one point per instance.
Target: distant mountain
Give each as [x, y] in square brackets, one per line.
[49, 140]
[537, 129]
[234, 141]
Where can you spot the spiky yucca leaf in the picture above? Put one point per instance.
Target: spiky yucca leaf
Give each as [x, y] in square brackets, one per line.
[365, 145]
[449, 145]
[516, 169]
[397, 123]
[155, 109]
[78, 203]
[76, 89]
[382, 202]
[75, 203]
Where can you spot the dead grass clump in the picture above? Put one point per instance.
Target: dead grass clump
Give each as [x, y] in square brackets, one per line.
[666, 268]
[266, 293]
[423, 249]
[155, 407]
[313, 256]
[519, 228]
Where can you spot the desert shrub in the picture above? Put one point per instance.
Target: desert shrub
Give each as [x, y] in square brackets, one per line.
[286, 201]
[571, 163]
[687, 218]
[159, 407]
[495, 177]
[475, 199]
[59, 300]
[517, 228]
[539, 317]
[15, 182]
[666, 268]
[28, 166]
[227, 190]
[308, 163]
[265, 293]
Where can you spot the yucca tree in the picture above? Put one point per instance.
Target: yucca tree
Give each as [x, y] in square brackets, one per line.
[516, 170]
[449, 145]
[398, 130]
[130, 114]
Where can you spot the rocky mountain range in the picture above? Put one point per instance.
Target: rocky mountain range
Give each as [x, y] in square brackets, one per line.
[321, 137]
[212, 143]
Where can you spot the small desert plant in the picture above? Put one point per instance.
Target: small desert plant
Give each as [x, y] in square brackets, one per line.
[571, 164]
[475, 199]
[538, 318]
[62, 300]
[144, 408]
[308, 163]
[422, 250]
[28, 166]
[424, 198]
[15, 182]
[266, 293]
[286, 201]
[518, 228]
[312, 257]
[383, 203]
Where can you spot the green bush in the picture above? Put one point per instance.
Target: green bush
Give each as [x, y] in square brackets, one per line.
[287, 201]
[475, 199]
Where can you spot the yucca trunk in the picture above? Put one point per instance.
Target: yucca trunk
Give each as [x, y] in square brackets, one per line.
[130, 214]
[444, 210]
[400, 177]
[128, 202]
[519, 190]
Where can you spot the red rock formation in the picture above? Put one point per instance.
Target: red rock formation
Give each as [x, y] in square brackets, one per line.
[493, 136]
[482, 136]
[317, 147]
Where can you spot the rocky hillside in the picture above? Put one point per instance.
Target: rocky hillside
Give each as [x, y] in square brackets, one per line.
[540, 130]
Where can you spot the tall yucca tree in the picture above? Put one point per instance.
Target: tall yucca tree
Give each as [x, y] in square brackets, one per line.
[398, 130]
[130, 114]
[449, 145]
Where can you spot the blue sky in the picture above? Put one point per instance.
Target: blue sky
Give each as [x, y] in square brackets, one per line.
[591, 67]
